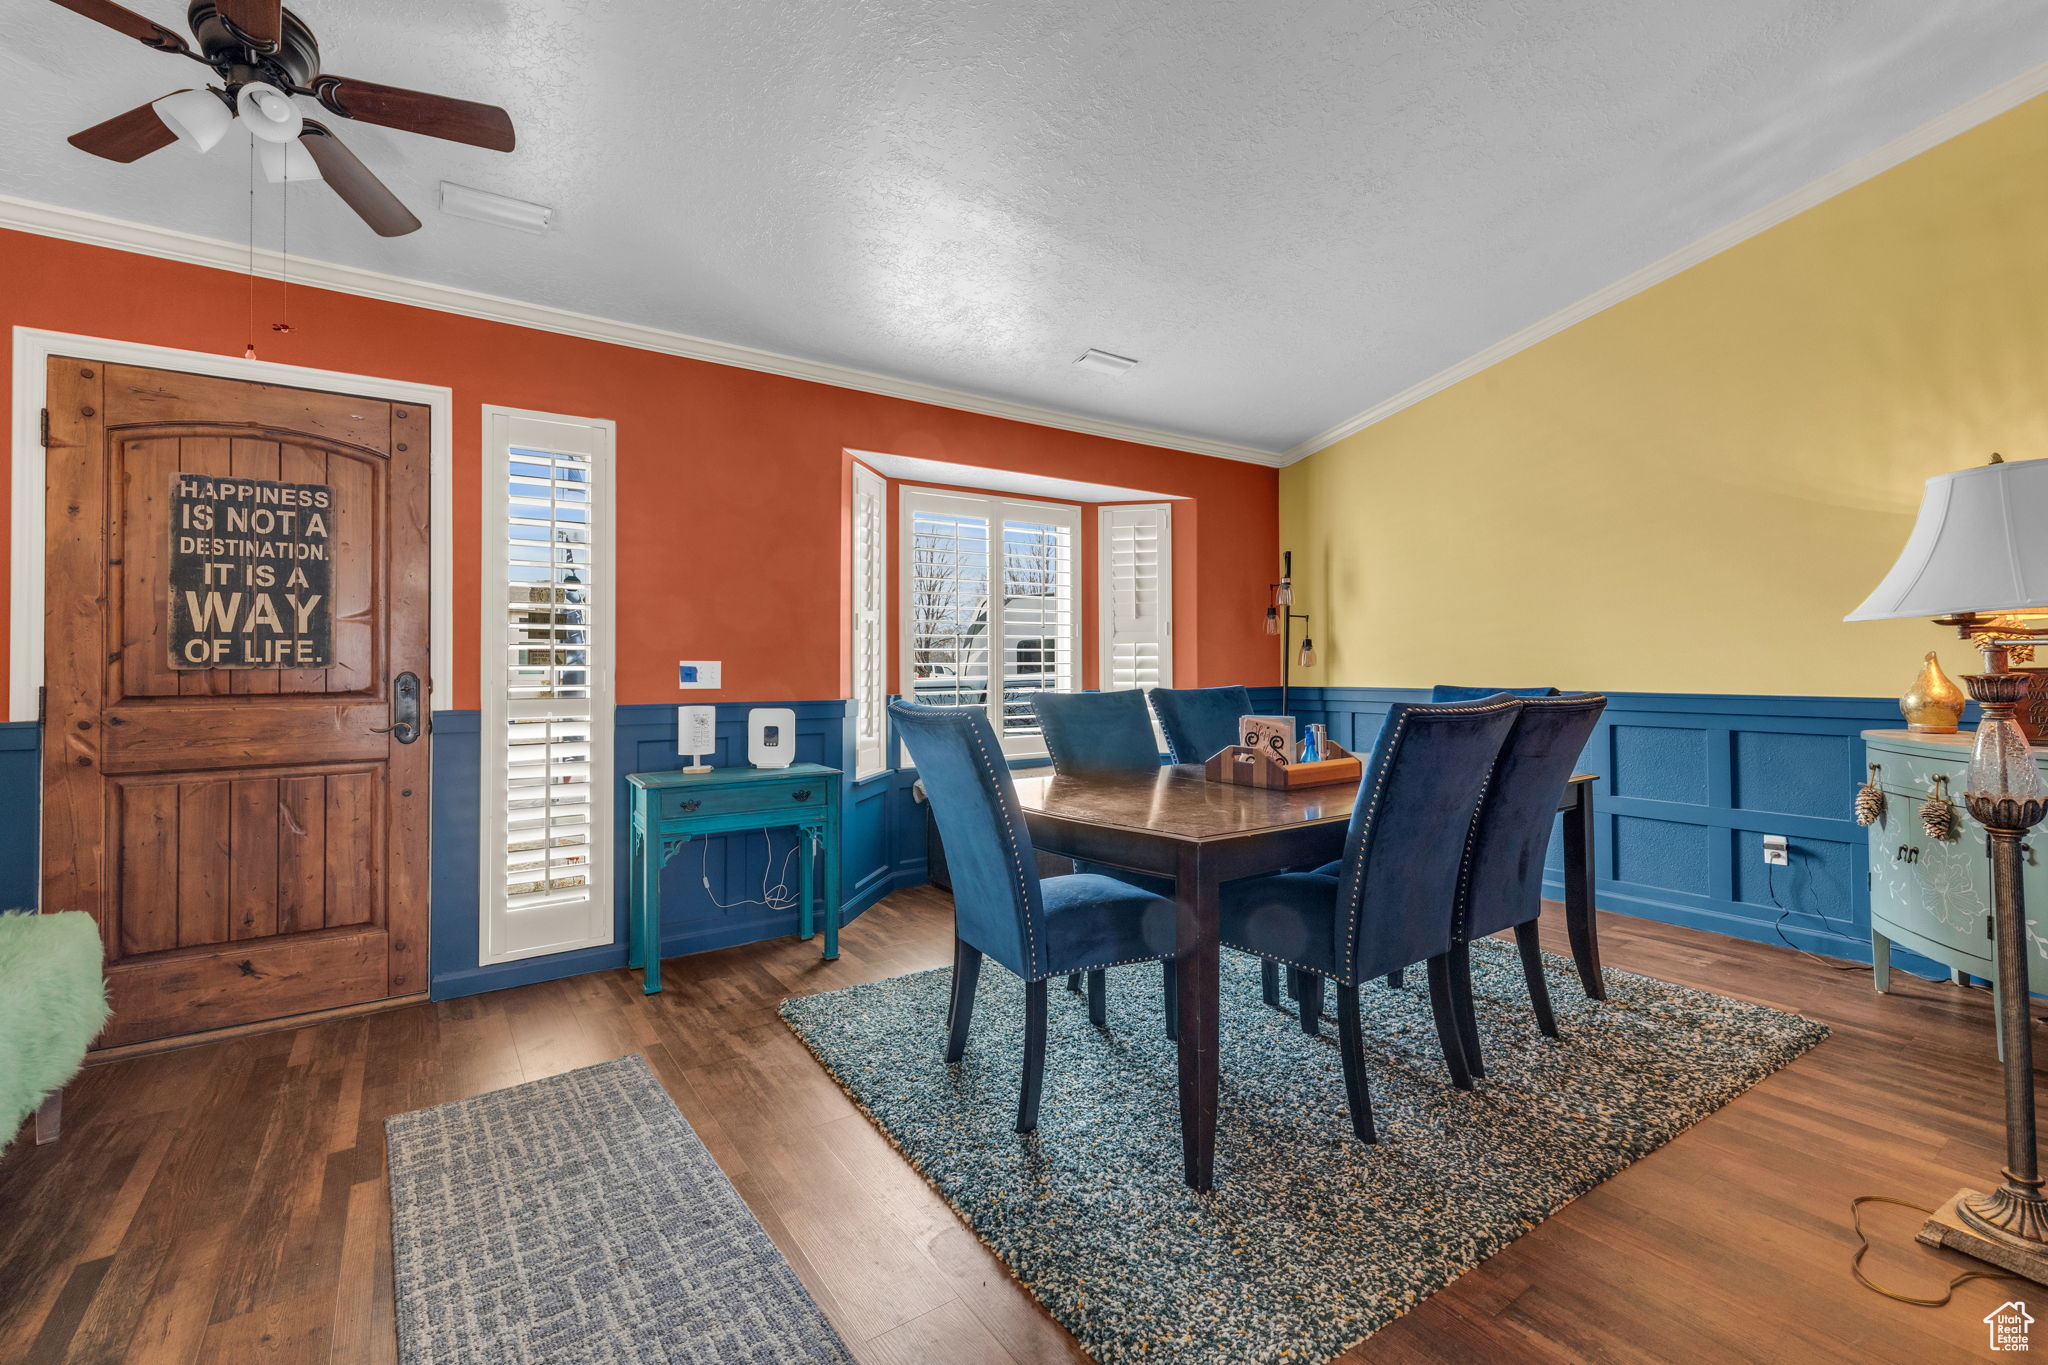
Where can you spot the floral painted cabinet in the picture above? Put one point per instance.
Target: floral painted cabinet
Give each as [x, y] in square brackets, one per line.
[1931, 895]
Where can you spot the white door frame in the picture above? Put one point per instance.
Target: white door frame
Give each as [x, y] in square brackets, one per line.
[32, 351]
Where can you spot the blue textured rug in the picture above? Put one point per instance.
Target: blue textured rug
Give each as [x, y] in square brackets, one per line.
[1311, 1240]
[579, 1219]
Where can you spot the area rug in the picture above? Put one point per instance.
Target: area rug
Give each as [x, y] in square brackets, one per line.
[1311, 1240]
[579, 1219]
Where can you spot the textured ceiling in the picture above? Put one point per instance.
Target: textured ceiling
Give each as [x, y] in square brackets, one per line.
[1286, 212]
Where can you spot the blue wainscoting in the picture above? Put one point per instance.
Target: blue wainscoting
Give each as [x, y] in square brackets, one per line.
[21, 786]
[882, 846]
[1690, 785]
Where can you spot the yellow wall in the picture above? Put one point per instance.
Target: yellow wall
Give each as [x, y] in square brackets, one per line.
[1687, 492]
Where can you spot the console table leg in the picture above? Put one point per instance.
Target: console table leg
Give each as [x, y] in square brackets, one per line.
[1880, 962]
[808, 862]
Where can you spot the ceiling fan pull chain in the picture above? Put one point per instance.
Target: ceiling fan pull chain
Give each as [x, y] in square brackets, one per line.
[250, 353]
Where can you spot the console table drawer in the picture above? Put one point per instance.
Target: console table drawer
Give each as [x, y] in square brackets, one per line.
[755, 798]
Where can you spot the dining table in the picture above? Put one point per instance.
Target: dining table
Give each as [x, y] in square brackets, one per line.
[1178, 823]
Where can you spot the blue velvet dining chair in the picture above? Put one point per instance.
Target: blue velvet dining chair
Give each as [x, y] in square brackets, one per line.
[1090, 733]
[1197, 721]
[1390, 904]
[1503, 883]
[1037, 927]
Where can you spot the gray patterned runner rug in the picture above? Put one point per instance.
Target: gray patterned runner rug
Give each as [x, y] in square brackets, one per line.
[579, 1219]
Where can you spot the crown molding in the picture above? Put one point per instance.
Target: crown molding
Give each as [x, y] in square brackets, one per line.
[1927, 136]
[93, 229]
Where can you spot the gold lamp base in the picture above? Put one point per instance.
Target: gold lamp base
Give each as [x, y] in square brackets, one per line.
[1951, 1227]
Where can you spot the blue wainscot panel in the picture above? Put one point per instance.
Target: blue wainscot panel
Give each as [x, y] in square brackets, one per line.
[1690, 784]
[716, 892]
[21, 785]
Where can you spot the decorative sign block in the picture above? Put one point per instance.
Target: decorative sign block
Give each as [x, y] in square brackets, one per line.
[251, 573]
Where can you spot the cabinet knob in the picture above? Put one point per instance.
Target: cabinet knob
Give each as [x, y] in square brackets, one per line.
[691, 805]
[800, 794]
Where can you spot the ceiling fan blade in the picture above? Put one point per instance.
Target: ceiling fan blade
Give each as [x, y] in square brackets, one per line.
[129, 22]
[126, 137]
[479, 125]
[259, 22]
[358, 188]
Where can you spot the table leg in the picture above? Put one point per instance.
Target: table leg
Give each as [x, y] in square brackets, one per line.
[1578, 892]
[1197, 967]
[655, 857]
[830, 908]
[808, 861]
[636, 939]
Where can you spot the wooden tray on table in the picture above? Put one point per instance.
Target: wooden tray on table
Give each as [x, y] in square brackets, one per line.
[1249, 768]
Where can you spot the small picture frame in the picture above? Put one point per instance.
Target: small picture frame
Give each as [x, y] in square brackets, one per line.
[1272, 736]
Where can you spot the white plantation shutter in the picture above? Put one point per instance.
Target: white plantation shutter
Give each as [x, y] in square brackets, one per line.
[870, 617]
[547, 686]
[1136, 550]
[990, 610]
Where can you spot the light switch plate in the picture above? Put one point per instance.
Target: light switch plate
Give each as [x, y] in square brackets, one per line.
[697, 673]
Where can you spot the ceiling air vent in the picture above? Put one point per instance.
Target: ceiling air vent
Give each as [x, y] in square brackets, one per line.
[1105, 362]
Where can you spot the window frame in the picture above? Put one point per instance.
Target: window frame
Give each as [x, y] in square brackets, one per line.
[997, 508]
[573, 925]
[870, 571]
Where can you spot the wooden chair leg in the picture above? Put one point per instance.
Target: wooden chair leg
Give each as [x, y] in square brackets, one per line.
[1351, 1043]
[1311, 1003]
[1269, 981]
[1532, 972]
[1447, 1035]
[1074, 982]
[1098, 999]
[50, 1117]
[1172, 1000]
[1460, 961]
[966, 972]
[1034, 1056]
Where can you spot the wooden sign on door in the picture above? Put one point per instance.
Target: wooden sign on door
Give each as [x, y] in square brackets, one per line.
[252, 573]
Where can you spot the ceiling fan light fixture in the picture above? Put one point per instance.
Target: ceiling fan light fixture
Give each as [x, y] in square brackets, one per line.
[198, 117]
[286, 163]
[484, 207]
[269, 112]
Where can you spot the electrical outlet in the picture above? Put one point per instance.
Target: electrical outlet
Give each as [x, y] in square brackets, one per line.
[697, 673]
[1775, 850]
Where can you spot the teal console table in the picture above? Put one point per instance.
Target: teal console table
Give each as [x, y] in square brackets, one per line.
[671, 808]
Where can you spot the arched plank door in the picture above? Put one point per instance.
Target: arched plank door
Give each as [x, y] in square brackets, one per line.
[236, 615]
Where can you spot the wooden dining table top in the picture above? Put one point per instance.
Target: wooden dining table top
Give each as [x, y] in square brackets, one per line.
[1179, 802]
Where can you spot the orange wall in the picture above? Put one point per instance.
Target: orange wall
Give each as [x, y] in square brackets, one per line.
[732, 485]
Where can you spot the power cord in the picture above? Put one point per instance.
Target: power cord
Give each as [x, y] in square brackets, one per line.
[775, 895]
[1863, 1246]
[1778, 926]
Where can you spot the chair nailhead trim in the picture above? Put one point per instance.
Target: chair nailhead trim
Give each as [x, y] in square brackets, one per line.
[1129, 961]
[1313, 971]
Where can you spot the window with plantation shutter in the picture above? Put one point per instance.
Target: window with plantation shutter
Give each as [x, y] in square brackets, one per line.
[549, 599]
[870, 618]
[1135, 544]
[990, 605]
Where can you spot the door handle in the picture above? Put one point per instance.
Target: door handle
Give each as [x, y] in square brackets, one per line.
[405, 710]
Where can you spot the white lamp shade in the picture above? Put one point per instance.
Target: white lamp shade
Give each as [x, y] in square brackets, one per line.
[286, 162]
[269, 112]
[198, 117]
[1980, 545]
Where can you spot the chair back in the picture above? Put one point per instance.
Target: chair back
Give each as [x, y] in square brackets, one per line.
[997, 904]
[1410, 830]
[1503, 881]
[1198, 721]
[1097, 732]
[1447, 693]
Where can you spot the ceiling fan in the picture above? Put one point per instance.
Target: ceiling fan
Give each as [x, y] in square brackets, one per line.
[264, 55]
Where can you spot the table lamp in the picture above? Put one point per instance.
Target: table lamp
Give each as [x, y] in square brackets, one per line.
[1977, 560]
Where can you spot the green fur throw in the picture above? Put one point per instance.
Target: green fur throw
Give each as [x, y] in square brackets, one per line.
[52, 1003]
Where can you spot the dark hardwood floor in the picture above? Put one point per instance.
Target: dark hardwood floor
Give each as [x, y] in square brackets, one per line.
[227, 1202]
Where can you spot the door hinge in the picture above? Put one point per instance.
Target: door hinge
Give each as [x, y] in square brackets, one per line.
[42, 704]
[45, 437]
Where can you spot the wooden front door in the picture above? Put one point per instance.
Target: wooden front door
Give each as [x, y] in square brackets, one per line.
[220, 789]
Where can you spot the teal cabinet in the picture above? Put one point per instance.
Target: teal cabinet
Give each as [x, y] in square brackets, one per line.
[672, 808]
[1930, 895]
